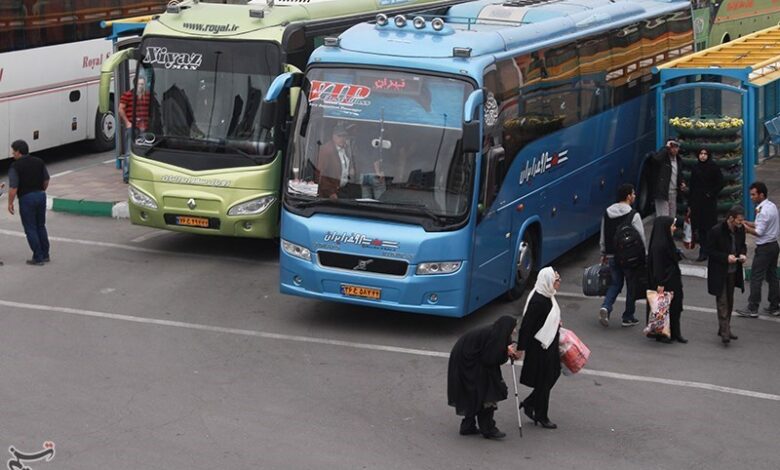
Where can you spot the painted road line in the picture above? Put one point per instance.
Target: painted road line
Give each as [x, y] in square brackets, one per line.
[62, 173]
[138, 249]
[367, 346]
[150, 235]
[113, 160]
[690, 308]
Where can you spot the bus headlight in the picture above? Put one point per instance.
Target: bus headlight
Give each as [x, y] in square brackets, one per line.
[441, 267]
[296, 250]
[140, 198]
[253, 207]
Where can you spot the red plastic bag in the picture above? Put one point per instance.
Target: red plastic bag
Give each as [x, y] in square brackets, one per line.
[574, 353]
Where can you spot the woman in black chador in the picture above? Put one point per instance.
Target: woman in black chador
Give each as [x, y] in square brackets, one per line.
[474, 381]
[706, 183]
[538, 339]
[663, 271]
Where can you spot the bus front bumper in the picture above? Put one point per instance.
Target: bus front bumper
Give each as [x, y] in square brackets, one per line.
[442, 295]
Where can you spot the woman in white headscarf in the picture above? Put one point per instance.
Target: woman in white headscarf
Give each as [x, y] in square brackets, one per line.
[538, 338]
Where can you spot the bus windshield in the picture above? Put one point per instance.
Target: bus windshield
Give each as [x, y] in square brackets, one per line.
[381, 141]
[203, 100]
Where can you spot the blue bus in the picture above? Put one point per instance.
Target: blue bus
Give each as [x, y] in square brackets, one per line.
[436, 163]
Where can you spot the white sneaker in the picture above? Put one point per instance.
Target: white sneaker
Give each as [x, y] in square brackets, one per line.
[604, 317]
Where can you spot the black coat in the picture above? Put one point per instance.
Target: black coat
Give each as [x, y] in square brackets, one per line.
[541, 367]
[706, 183]
[663, 268]
[474, 372]
[718, 248]
[663, 173]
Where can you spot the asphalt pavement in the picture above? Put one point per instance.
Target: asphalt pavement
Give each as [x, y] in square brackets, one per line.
[137, 348]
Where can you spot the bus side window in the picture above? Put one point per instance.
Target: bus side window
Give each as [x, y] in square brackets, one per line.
[12, 17]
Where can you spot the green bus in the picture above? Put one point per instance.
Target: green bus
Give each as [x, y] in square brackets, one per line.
[719, 21]
[205, 154]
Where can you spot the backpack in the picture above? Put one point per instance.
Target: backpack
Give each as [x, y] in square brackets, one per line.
[629, 249]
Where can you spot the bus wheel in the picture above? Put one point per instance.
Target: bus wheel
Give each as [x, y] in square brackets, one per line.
[527, 264]
[105, 131]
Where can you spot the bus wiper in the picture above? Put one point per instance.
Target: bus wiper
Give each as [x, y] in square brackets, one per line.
[156, 144]
[415, 209]
[327, 202]
[240, 152]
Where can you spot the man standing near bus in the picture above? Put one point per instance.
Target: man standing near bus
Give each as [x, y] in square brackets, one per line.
[668, 179]
[28, 178]
[134, 109]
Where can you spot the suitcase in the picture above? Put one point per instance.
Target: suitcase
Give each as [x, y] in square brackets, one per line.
[596, 280]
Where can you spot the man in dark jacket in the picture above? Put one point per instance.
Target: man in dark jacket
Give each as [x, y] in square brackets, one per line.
[29, 179]
[668, 179]
[727, 253]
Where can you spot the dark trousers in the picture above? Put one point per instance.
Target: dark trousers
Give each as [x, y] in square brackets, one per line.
[701, 234]
[764, 267]
[725, 304]
[539, 401]
[32, 210]
[485, 419]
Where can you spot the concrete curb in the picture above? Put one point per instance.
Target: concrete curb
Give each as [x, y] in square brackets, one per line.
[117, 210]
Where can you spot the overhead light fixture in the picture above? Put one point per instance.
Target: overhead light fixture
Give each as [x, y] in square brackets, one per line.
[437, 24]
[332, 42]
[400, 21]
[418, 22]
[259, 14]
[463, 52]
[381, 19]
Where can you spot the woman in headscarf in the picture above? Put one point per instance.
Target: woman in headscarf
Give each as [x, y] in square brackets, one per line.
[538, 338]
[706, 183]
[474, 381]
[663, 272]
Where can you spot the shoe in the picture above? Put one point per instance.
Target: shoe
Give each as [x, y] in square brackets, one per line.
[725, 340]
[32, 262]
[663, 339]
[468, 427]
[528, 411]
[494, 434]
[546, 423]
[747, 313]
[1, 263]
[680, 339]
[631, 322]
[46, 259]
[774, 311]
[604, 317]
[733, 336]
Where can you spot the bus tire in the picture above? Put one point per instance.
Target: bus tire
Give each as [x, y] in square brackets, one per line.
[527, 265]
[105, 131]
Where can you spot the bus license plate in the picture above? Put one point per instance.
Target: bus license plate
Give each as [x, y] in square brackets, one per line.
[359, 291]
[192, 221]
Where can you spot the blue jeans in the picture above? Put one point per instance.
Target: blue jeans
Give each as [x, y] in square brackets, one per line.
[618, 275]
[32, 210]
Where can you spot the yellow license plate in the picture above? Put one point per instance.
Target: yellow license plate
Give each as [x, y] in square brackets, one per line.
[360, 291]
[192, 221]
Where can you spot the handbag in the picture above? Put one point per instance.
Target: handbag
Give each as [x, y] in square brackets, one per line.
[596, 280]
[658, 323]
[574, 354]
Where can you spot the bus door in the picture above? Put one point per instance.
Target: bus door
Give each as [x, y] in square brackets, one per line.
[123, 81]
[491, 269]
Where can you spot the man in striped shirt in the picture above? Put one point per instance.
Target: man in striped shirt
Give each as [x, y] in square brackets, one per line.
[134, 107]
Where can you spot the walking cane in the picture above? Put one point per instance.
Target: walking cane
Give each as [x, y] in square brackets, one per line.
[517, 400]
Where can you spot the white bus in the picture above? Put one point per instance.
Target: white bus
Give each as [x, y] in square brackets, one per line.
[50, 57]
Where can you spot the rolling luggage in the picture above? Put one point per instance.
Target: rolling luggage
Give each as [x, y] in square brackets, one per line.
[596, 280]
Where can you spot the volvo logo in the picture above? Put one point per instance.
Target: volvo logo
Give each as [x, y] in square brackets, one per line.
[362, 264]
[192, 204]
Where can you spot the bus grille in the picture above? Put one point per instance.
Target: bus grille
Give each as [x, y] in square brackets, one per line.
[366, 264]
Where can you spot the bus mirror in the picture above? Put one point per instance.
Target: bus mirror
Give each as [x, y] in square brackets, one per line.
[136, 55]
[472, 142]
[283, 83]
[268, 114]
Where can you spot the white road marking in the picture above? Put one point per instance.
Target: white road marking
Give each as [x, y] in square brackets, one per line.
[690, 308]
[373, 347]
[62, 173]
[113, 160]
[150, 235]
[139, 249]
